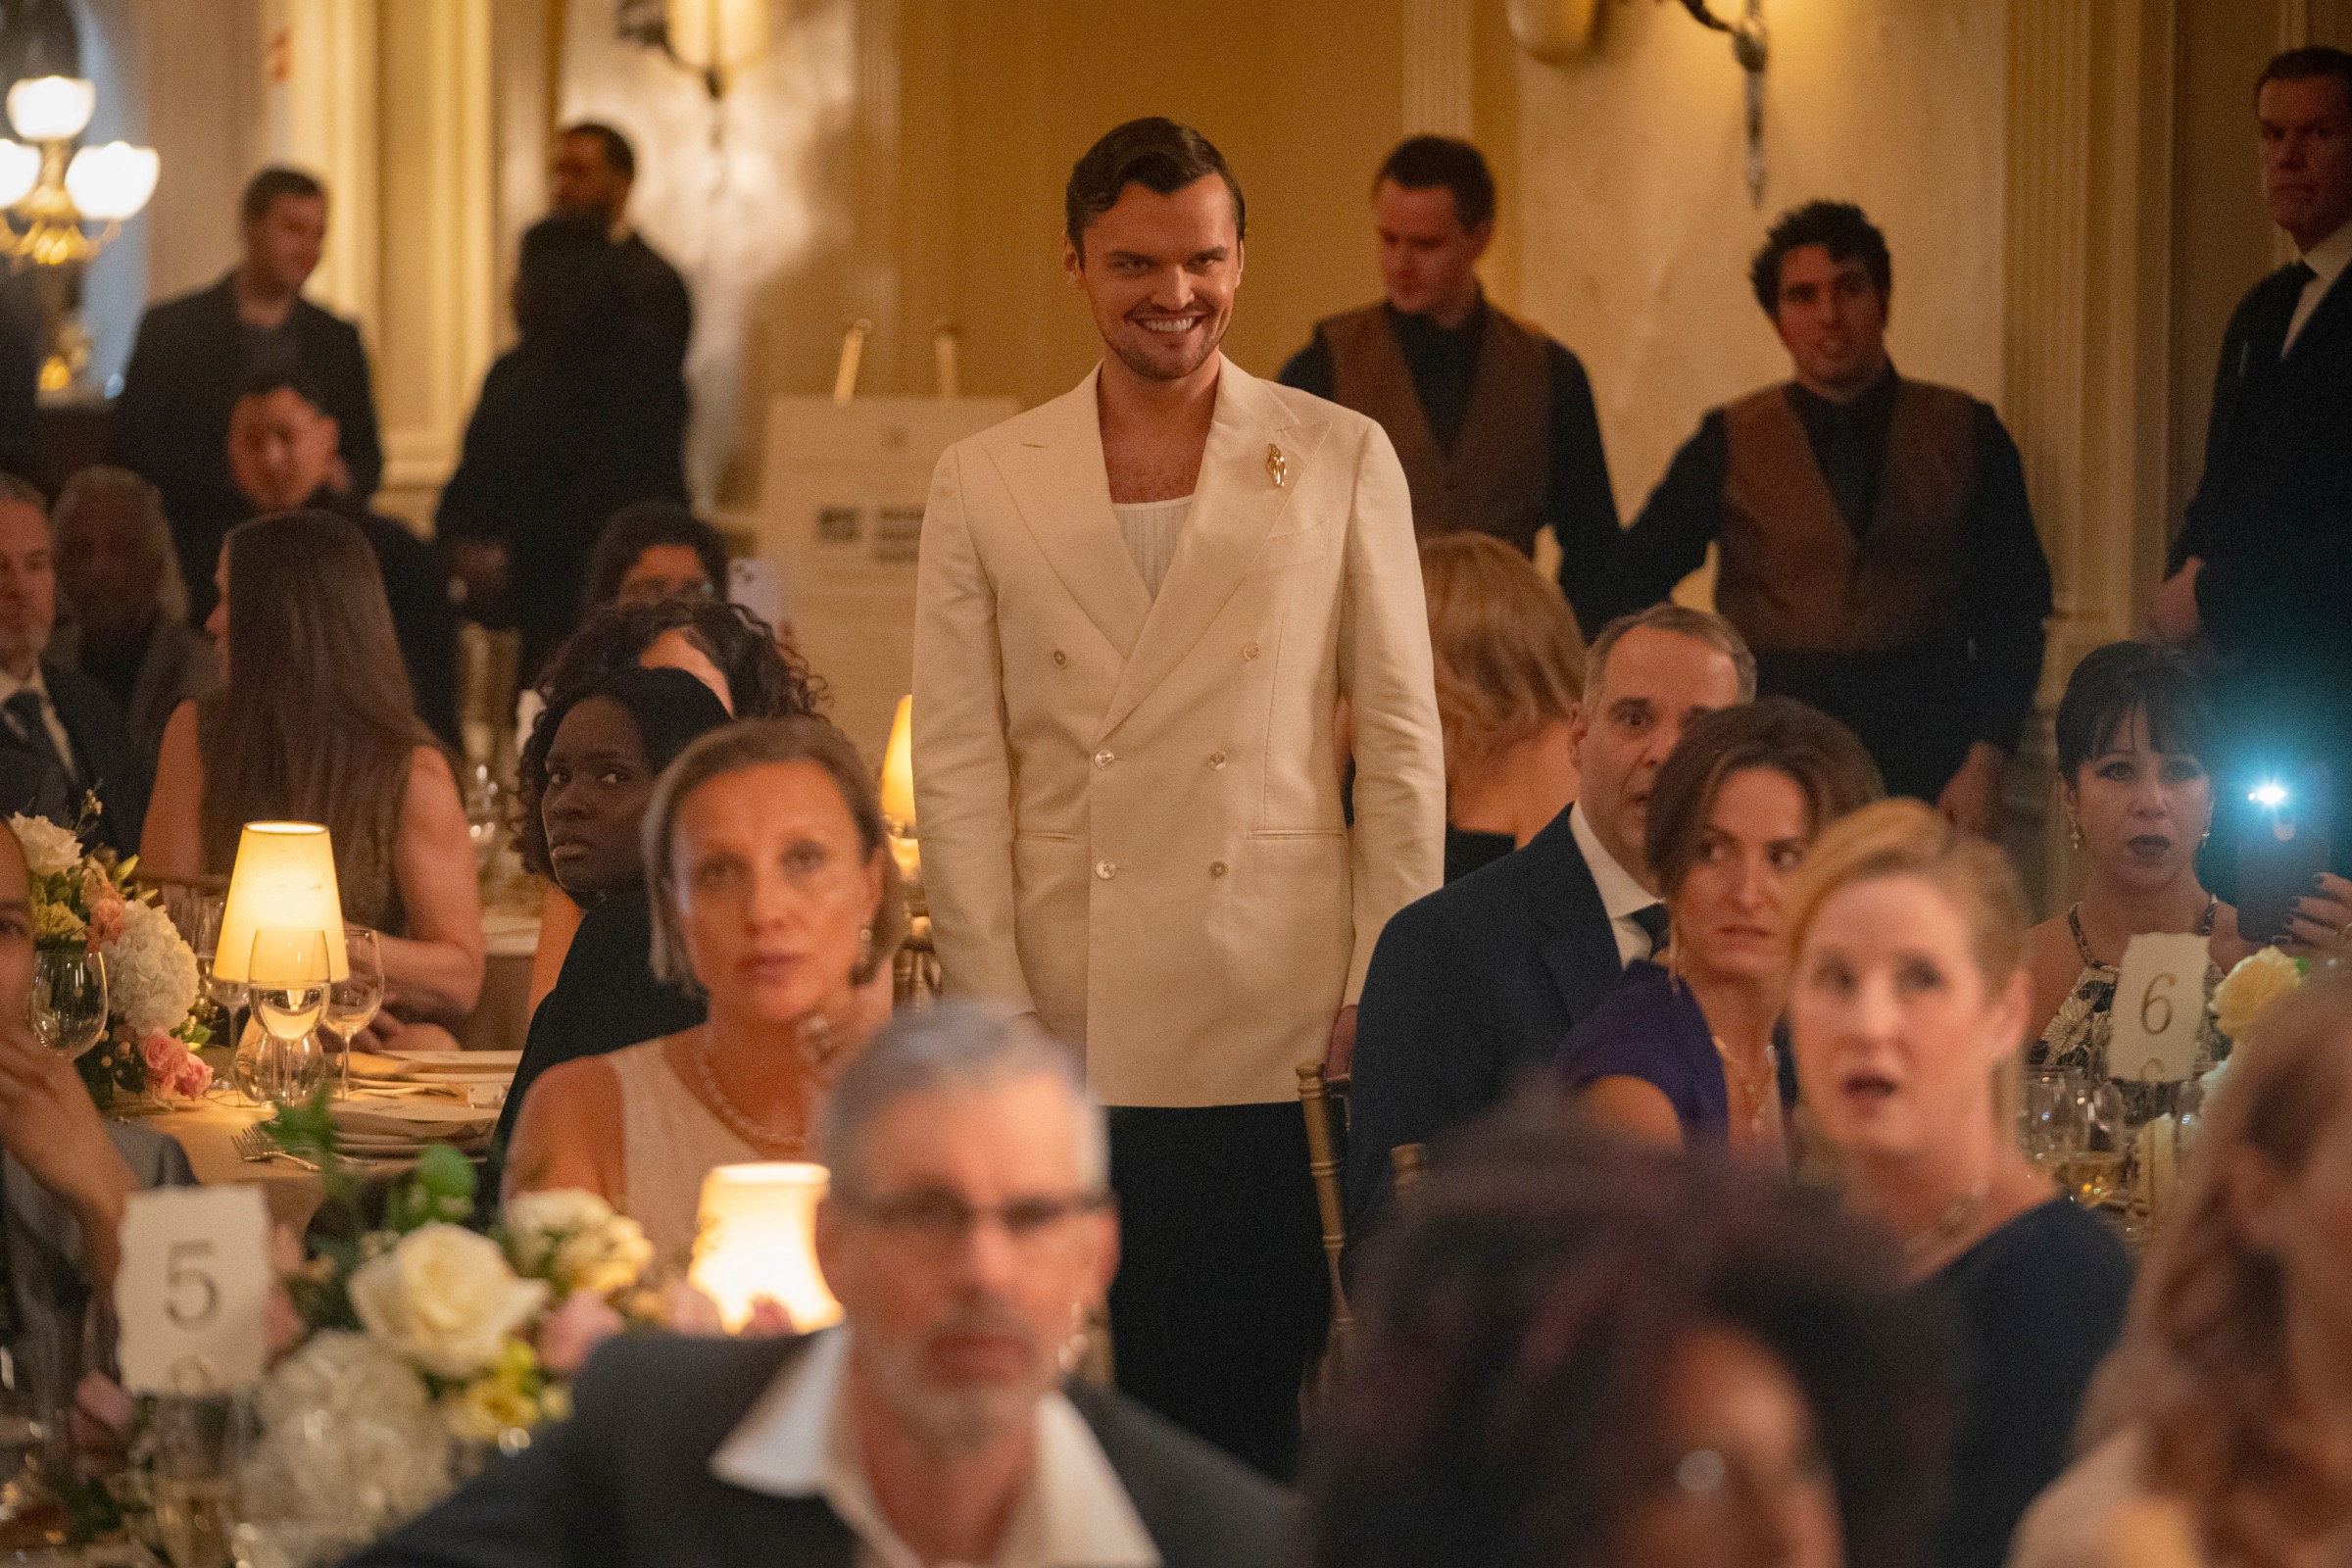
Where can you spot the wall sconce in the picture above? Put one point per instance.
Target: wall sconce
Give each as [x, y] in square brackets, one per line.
[1748, 47]
[712, 38]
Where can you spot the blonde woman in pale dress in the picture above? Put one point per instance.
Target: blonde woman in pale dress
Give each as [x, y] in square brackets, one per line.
[772, 890]
[2219, 1433]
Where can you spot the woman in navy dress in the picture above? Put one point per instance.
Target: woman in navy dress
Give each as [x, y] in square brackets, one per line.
[1685, 1048]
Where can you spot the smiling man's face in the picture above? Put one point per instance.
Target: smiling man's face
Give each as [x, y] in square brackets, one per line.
[1160, 274]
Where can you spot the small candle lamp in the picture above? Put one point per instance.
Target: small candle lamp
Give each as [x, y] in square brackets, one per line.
[284, 877]
[755, 1237]
[898, 799]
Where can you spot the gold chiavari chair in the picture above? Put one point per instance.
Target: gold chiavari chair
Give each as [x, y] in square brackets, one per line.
[1323, 1164]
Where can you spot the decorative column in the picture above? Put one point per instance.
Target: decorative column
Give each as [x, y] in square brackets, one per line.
[1438, 67]
[2088, 270]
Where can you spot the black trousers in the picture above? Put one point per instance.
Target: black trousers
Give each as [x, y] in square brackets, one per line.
[1221, 1300]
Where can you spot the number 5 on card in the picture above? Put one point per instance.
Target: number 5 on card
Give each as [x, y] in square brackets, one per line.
[193, 1287]
[2159, 1003]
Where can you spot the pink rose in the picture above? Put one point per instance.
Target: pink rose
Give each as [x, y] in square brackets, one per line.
[193, 1077]
[161, 1052]
[768, 1318]
[106, 912]
[582, 1323]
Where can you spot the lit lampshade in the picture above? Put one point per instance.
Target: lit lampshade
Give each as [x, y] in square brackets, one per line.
[721, 35]
[898, 768]
[51, 108]
[20, 172]
[756, 1236]
[284, 877]
[112, 183]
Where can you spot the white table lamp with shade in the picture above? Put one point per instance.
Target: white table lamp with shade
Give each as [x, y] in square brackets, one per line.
[282, 885]
[756, 1237]
[898, 797]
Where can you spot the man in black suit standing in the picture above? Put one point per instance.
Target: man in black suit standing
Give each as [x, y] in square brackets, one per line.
[968, 1232]
[61, 734]
[594, 170]
[1481, 980]
[193, 353]
[2263, 561]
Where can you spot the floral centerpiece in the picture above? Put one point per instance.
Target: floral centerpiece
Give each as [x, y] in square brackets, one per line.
[85, 901]
[411, 1347]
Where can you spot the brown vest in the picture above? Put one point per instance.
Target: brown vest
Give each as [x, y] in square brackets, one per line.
[1498, 477]
[1795, 578]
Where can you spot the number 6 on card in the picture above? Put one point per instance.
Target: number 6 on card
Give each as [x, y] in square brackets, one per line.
[193, 1287]
[2159, 1003]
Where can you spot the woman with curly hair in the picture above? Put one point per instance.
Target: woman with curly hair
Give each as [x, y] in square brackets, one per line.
[2223, 1425]
[723, 645]
[1581, 1354]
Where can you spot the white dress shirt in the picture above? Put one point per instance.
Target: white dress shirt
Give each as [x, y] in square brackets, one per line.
[10, 686]
[799, 1442]
[1620, 894]
[2327, 261]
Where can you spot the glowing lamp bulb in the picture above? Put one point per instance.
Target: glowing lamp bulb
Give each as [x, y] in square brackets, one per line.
[2269, 796]
[51, 108]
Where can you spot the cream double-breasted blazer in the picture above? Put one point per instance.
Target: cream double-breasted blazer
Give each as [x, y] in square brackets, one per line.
[1128, 806]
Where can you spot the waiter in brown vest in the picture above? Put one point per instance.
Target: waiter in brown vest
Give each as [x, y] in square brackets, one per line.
[1491, 419]
[1876, 551]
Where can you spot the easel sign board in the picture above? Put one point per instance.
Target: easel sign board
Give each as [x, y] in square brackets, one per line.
[841, 515]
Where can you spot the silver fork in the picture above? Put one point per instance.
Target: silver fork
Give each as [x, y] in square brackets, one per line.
[255, 1145]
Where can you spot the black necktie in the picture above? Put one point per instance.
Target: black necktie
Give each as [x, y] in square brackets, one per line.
[25, 712]
[1651, 919]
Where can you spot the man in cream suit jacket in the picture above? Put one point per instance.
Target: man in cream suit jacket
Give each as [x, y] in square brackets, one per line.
[1142, 606]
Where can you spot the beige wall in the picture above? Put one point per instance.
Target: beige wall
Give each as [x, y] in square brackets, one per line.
[1636, 226]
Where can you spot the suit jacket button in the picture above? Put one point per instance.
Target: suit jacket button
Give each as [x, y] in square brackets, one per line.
[1216, 759]
[1106, 870]
[1104, 758]
[1059, 659]
[1249, 650]
[1217, 869]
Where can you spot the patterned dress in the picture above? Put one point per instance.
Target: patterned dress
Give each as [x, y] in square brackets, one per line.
[2076, 1039]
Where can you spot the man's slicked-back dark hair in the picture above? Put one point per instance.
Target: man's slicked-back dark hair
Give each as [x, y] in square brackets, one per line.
[1427, 162]
[619, 155]
[1839, 227]
[1157, 154]
[2304, 63]
[263, 189]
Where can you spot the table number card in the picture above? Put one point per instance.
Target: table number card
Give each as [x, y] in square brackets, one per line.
[2159, 1003]
[193, 1287]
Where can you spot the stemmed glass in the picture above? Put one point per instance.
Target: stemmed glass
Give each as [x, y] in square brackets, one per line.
[67, 1005]
[2091, 1166]
[286, 983]
[199, 1446]
[351, 1001]
[197, 913]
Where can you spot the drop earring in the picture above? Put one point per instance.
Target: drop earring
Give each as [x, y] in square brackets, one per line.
[2073, 836]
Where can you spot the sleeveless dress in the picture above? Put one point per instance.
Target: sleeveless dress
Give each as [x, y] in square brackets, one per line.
[2075, 1039]
[669, 1140]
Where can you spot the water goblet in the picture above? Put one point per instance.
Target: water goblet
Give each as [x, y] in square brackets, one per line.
[287, 983]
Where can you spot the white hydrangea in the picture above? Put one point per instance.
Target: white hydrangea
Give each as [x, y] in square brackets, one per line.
[48, 848]
[150, 975]
[351, 1438]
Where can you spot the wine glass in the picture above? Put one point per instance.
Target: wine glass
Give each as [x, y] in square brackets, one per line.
[351, 1001]
[197, 915]
[67, 1005]
[2092, 1167]
[286, 983]
[2045, 1117]
[199, 1446]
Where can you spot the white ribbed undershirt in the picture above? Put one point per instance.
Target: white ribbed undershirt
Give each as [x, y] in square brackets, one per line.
[1151, 529]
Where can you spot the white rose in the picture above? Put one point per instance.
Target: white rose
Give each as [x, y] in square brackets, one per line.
[575, 1239]
[445, 1298]
[2252, 989]
[48, 848]
[150, 975]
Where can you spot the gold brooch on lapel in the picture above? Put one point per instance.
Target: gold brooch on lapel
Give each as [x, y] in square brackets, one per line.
[1278, 467]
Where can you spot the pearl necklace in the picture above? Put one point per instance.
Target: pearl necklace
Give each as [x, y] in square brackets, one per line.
[744, 1127]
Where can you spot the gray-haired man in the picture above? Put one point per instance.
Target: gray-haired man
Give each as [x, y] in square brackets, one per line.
[968, 1232]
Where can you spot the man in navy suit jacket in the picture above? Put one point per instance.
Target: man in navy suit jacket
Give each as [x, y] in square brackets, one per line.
[1482, 979]
[2265, 556]
[60, 735]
